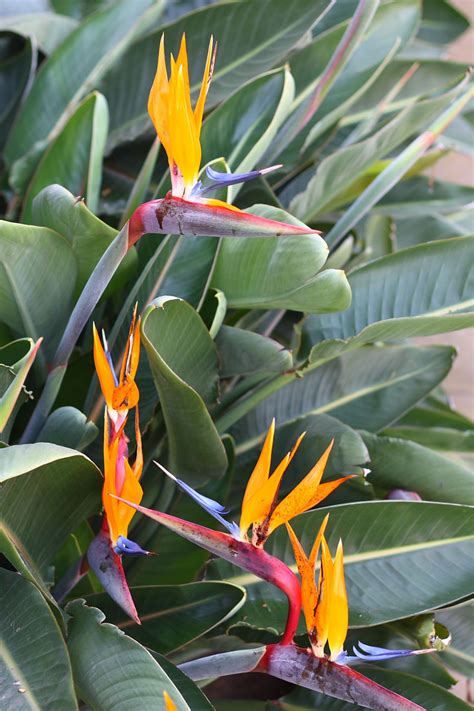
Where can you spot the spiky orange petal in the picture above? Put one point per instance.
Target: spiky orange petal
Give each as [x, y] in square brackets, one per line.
[170, 704]
[199, 108]
[258, 478]
[159, 98]
[338, 607]
[322, 617]
[299, 500]
[103, 369]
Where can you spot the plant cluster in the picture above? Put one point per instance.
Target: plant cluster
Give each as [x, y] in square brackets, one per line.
[219, 239]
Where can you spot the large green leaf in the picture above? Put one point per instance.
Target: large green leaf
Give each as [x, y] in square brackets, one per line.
[442, 22]
[27, 255]
[74, 157]
[56, 208]
[242, 352]
[31, 681]
[68, 427]
[49, 29]
[460, 654]
[394, 554]
[94, 46]
[400, 464]
[422, 291]
[47, 491]
[366, 388]
[253, 36]
[183, 361]
[279, 272]
[112, 671]
[327, 188]
[421, 196]
[17, 67]
[173, 615]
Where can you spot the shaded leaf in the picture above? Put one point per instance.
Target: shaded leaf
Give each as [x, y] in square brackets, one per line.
[111, 670]
[183, 361]
[74, 158]
[173, 615]
[47, 491]
[31, 681]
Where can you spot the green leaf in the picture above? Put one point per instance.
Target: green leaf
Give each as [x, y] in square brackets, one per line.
[242, 352]
[442, 23]
[49, 29]
[367, 389]
[16, 70]
[183, 361]
[173, 615]
[14, 367]
[74, 158]
[421, 196]
[460, 653]
[111, 670]
[27, 254]
[267, 30]
[47, 491]
[94, 46]
[56, 208]
[189, 690]
[325, 190]
[400, 464]
[272, 273]
[68, 427]
[394, 555]
[421, 291]
[31, 681]
[242, 128]
[392, 26]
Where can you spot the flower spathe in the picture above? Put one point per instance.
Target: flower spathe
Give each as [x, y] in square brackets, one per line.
[178, 126]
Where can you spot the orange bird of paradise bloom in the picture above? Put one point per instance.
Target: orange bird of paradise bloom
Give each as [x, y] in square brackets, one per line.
[324, 604]
[260, 507]
[178, 126]
[121, 396]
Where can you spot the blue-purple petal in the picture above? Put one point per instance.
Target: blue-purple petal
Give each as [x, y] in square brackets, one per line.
[126, 546]
[214, 508]
[222, 180]
[377, 654]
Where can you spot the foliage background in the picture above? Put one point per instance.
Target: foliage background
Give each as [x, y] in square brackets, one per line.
[45, 529]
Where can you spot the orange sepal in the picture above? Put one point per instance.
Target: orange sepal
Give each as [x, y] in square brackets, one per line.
[338, 607]
[299, 500]
[258, 478]
[159, 98]
[170, 704]
[103, 369]
[260, 505]
[322, 618]
[206, 79]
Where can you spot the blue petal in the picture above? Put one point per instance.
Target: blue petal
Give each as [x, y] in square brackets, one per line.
[378, 654]
[209, 505]
[125, 545]
[222, 180]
